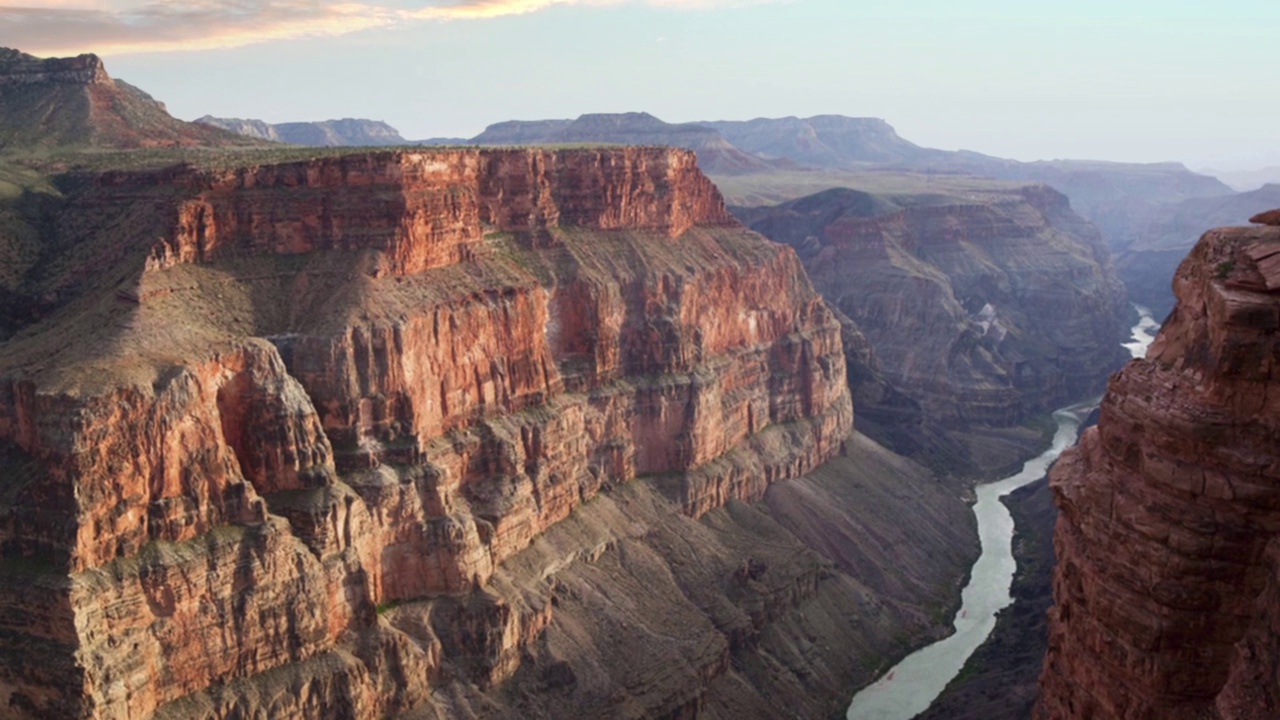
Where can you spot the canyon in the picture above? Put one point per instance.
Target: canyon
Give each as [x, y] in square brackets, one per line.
[1148, 260]
[539, 432]
[969, 315]
[1165, 587]
[457, 433]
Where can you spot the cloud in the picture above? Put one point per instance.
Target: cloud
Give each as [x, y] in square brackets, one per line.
[108, 27]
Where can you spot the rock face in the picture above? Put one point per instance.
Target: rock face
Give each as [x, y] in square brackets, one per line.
[770, 610]
[1270, 217]
[72, 101]
[1166, 586]
[18, 68]
[275, 401]
[980, 313]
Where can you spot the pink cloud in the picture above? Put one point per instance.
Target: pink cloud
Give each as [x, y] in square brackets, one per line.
[70, 27]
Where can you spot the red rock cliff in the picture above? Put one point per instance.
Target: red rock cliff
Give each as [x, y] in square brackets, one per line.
[430, 209]
[1169, 538]
[341, 384]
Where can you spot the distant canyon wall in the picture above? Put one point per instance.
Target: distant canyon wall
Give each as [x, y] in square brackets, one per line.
[979, 313]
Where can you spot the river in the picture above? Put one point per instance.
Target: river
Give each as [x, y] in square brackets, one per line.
[1144, 333]
[913, 684]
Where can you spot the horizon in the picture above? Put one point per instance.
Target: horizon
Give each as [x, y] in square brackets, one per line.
[1082, 81]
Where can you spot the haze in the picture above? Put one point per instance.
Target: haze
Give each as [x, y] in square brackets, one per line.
[1144, 82]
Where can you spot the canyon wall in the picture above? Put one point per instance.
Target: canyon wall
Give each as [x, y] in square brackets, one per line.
[1167, 537]
[976, 311]
[271, 451]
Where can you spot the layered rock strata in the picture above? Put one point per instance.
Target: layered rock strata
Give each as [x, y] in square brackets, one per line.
[18, 68]
[1170, 510]
[277, 401]
[74, 102]
[974, 313]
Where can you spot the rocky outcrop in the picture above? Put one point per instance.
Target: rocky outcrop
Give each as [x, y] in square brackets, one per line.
[74, 102]
[277, 401]
[979, 313]
[18, 68]
[1270, 217]
[1167, 537]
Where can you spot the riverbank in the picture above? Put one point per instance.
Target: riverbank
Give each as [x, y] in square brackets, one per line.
[999, 681]
[909, 687]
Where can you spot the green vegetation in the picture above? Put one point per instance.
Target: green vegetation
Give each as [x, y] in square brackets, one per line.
[1224, 269]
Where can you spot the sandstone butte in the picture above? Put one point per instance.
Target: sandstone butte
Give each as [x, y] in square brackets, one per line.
[281, 411]
[1168, 542]
[73, 101]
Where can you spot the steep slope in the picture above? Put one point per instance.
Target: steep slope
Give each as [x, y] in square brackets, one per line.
[1147, 263]
[1168, 600]
[347, 132]
[774, 610]
[346, 407]
[983, 310]
[72, 101]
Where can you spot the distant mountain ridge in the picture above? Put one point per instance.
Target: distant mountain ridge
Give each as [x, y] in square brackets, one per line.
[1125, 200]
[347, 132]
[823, 141]
[1246, 180]
[58, 102]
[1116, 196]
[1149, 260]
[715, 153]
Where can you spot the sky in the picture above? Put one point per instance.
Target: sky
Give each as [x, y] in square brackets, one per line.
[1127, 80]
